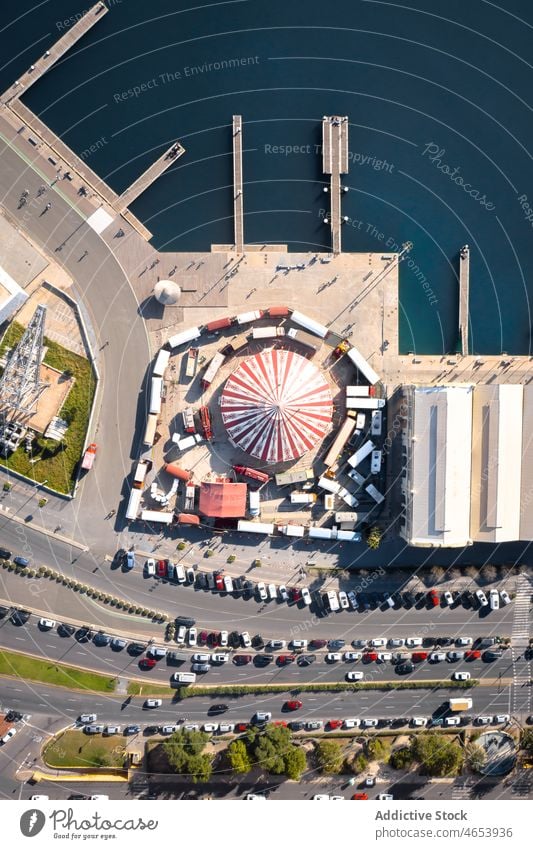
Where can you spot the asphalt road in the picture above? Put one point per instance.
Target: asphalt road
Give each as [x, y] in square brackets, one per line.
[50, 645]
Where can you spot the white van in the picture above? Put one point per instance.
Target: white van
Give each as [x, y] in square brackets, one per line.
[494, 600]
[183, 678]
[179, 573]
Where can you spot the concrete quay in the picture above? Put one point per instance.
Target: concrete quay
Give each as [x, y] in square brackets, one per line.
[335, 163]
[238, 199]
[171, 155]
[464, 290]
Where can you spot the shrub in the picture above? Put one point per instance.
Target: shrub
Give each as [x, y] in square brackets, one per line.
[359, 764]
[330, 756]
[42, 501]
[7, 486]
[401, 758]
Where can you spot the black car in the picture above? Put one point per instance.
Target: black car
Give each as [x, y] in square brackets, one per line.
[214, 710]
[385, 722]
[5, 554]
[201, 580]
[237, 585]
[119, 557]
[363, 601]
[334, 645]
[135, 649]
[132, 729]
[101, 639]
[83, 635]
[185, 620]
[234, 639]
[420, 598]
[306, 659]
[466, 719]
[491, 655]
[20, 617]
[248, 588]
[408, 599]
[151, 729]
[399, 722]
[4, 611]
[263, 659]
[65, 630]
[258, 642]
[443, 641]
[296, 725]
[405, 668]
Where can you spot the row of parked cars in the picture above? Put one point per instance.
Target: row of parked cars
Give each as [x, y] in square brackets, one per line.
[361, 601]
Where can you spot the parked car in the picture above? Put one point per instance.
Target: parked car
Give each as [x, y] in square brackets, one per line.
[472, 654]
[483, 720]
[419, 721]
[437, 656]
[246, 640]
[220, 657]
[228, 584]
[455, 656]
[333, 657]
[190, 574]
[482, 598]
[343, 600]
[284, 659]
[88, 717]
[405, 668]
[21, 561]
[305, 659]
[335, 645]
[447, 598]
[501, 719]
[433, 598]
[352, 656]
[463, 641]
[494, 600]
[396, 642]
[261, 591]
[242, 659]
[450, 721]
[132, 729]
[413, 642]
[161, 568]
[149, 567]
[333, 724]
[5, 554]
[46, 624]
[192, 638]
[223, 639]
[384, 656]
[504, 595]
[419, 656]
[306, 596]
[369, 722]
[283, 594]
[129, 562]
[118, 643]
[152, 703]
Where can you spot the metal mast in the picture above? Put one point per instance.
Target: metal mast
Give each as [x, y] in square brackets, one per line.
[20, 384]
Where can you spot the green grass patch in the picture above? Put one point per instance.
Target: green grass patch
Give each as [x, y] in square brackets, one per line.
[57, 460]
[334, 687]
[76, 749]
[138, 688]
[34, 669]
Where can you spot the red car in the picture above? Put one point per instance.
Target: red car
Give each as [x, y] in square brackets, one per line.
[419, 656]
[280, 723]
[202, 638]
[472, 654]
[360, 796]
[317, 644]
[241, 727]
[283, 659]
[293, 704]
[370, 656]
[146, 663]
[295, 594]
[219, 582]
[241, 659]
[161, 568]
[433, 598]
[334, 723]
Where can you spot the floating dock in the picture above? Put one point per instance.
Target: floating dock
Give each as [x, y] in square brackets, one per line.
[464, 288]
[238, 200]
[62, 46]
[151, 174]
[335, 163]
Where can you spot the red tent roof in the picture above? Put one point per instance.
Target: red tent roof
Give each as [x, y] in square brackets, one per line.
[223, 499]
[276, 406]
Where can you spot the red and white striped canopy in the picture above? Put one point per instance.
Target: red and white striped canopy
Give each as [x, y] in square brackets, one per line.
[276, 406]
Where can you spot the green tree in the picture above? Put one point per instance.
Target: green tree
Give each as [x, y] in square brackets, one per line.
[330, 756]
[373, 537]
[359, 763]
[401, 758]
[184, 751]
[295, 762]
[377, 749]
[239, 757]
[436, 754]
[527, 741]
[476, 756]
[200, 768]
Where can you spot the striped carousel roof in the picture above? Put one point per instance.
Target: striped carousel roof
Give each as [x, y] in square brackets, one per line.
[276, 406]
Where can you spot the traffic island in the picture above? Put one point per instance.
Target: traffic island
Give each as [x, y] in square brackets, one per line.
[73, 749]
[61, 675]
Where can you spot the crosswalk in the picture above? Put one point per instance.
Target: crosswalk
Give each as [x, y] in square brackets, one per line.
[521, 690]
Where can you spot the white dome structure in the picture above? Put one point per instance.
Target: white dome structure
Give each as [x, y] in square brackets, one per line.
[167, 292]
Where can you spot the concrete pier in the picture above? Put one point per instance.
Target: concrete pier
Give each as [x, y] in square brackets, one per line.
[335, 163]
[62, 46]
[150, 175]
[464, 288]
[238, 200]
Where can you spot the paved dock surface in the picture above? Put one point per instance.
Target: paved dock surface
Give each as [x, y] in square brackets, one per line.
[335, 163]
[464, 289]
[171, 155]
[238, 199]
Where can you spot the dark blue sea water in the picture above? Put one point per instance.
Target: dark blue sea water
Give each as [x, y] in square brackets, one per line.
[438, 93]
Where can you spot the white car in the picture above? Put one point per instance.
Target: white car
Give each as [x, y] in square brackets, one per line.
[333, 657]
[482, 598]
[11, 733]
[463, 641]
[219, 657]
[47, 624]
[261, 591]
[277, 644]
[452, 720]
[201, 657]
[168, 729]
[39, 798]
[461, 676]
[97, 797]
[413, 642]
[321, 797]
[246, 640]
[437, 656]
[179, 573]
[343, 600]
[354, 676]
[494, 597]
[149, 566]
[193, 636]
[396, 643]
[306, 596]
[181, 634]
[369, 723]
[504, 595]
[283, 594]
[228, 584]
[384, 656]
[501, 718]
[223, 639]
[191, 726]
[272, 592]
[419, 721]
[210, 727]
[483, 720]
[351, 656]
[455, 656]
[352, 598]
[385, 797]
[378, 642]
[253, 797]
[153, 703]
[350, 723]
[88, 717]
[226, 728]
[448, 597]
